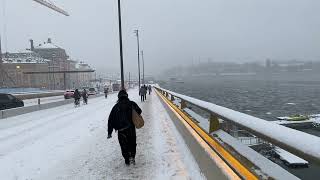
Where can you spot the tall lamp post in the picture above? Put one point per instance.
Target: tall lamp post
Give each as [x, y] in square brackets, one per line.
[120, 42]
[137, 34]
[142, 67]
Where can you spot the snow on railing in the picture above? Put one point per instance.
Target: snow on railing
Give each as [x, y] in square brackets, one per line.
[294, 141]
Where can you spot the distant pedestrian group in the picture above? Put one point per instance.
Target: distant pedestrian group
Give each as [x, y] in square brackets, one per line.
[143, 92]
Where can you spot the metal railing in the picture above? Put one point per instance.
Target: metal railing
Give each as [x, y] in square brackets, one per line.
[302, 144]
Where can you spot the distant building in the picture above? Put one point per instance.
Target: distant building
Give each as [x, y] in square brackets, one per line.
[58, 61]
[82, 79]
[26, 61]
[47, 58]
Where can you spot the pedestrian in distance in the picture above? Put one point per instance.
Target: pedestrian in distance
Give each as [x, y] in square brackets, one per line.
[85, 96]
[142, 93]
[120, 119]
[145, 92]
[106, 92]
[150, 89]
[76, 96]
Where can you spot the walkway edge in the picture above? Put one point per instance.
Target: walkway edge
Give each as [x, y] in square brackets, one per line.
[210, 163]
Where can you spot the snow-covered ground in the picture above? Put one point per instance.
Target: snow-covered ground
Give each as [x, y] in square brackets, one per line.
[70, 143]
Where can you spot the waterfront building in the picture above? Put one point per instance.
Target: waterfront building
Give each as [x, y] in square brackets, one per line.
[46, 58]
[82, 79]
[58, 61]
[26, 61]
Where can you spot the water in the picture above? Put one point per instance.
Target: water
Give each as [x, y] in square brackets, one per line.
[263, 96]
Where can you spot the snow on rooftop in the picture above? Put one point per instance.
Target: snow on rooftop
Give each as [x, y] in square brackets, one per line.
[23, 56]
[47, 46]
[27, 51]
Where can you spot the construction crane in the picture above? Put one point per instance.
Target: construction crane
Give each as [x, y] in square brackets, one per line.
[52, 6]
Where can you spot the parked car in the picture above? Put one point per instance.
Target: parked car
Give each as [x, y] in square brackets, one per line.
[8, 101]
[68, 94]
[92, 91]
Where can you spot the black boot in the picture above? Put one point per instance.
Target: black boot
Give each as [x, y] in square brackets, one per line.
[127, 161]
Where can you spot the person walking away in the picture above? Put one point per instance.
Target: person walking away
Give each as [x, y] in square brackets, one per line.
[76, 96]
[150, 89]
[142, 93]
[145, 92]
[85, 96]
[106, 92]
[120, 119]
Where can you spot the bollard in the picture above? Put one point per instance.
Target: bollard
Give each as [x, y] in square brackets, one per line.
[213, 123]
[183, 104]
[38, 101]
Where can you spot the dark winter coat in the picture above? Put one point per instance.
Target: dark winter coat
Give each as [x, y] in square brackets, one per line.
[121, 115]
[84, 94]
[76, 95]
[142, 91]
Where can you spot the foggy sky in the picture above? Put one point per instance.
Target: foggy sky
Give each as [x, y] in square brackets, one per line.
[173, 32]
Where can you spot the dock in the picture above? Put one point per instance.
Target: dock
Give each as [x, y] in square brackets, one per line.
[291, 160]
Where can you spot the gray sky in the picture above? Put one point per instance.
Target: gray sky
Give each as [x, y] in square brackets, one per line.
[172, 31]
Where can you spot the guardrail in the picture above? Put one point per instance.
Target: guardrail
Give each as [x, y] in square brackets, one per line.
[37, 95]
[302, 144]
[23, 110]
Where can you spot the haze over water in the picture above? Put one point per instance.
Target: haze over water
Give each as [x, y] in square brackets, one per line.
[263, 96]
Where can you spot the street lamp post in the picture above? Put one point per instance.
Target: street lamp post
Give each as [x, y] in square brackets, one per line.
[137, 34]
[142, 57]
[120, 43]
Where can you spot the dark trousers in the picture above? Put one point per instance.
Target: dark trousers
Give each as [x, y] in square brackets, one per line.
[142, 97]
[127, 139]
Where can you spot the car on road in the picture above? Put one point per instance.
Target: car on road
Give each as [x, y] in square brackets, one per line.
[92, 91]
[8, 101]
[68, 94]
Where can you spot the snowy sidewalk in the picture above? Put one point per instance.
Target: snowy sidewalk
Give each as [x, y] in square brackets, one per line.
[70, 143]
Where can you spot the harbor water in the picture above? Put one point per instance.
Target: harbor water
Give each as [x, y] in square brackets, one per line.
[266, 96]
